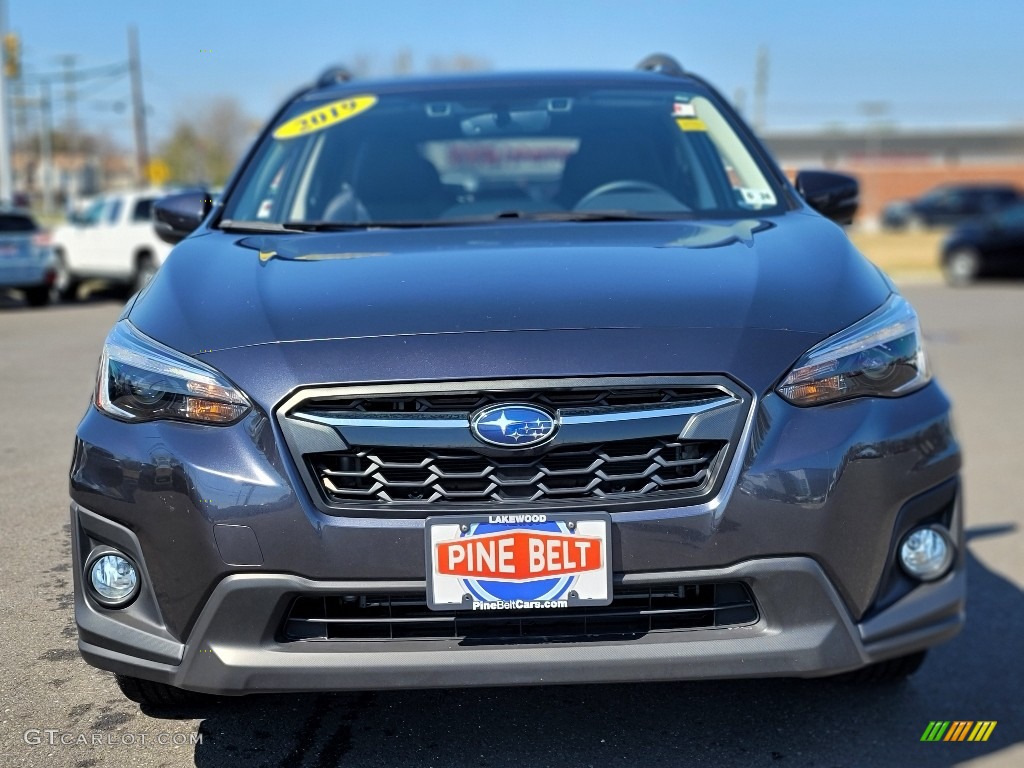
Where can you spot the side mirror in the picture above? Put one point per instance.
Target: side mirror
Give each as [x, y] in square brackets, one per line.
[834, 195]
[176, 216]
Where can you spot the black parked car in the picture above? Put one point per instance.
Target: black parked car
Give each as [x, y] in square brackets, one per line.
[948, 205]
[988, 245]
[513, 379]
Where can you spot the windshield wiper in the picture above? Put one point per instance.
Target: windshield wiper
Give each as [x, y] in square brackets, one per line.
[590, 216]
[229, 225]
[342, 226]
[512, 215]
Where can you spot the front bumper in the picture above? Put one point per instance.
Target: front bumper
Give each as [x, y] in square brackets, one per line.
[26, 273]
[803, 631]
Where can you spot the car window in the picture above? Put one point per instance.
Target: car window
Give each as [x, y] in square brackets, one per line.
[935, 197]
[143, 210]
[114, 211]
[16, 222]
[955, 200]
[91, 215]
[471, 155]
[992, 199]
[1011, 218]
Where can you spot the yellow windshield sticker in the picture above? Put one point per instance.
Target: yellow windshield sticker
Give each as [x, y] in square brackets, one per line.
[324, 116]
[691, 124]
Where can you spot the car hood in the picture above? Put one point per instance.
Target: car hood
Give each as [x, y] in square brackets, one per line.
[796, 272]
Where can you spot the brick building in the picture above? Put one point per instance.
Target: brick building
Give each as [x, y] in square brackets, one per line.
[897, 164]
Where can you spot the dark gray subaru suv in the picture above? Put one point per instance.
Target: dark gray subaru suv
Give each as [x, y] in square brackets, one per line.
[512, 379]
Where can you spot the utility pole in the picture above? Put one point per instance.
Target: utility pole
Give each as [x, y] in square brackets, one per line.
[138, 107]
[6, 181]
[21, 105]
[760, 87]
[71, 115]
[739, 101]
[45, 147]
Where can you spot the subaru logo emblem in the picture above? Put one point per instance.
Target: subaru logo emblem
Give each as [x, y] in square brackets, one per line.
[513, 426]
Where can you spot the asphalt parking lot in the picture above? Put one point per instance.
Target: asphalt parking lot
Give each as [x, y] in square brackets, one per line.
[50, 696]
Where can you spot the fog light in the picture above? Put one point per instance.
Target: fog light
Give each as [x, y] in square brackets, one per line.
[114, 580]
[926, 553]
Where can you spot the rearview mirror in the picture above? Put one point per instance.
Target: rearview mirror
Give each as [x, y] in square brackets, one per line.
[834, 195]
[176, 216]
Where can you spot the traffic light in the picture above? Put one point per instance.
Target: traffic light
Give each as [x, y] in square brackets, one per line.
[12, 56]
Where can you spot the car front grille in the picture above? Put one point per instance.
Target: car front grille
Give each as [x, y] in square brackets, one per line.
[589, 471]
[408, 450]
[634, 612]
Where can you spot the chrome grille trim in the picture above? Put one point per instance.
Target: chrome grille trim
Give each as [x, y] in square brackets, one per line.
[717, 410]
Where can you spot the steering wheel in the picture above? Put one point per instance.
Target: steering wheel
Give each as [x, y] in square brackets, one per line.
[624, 185]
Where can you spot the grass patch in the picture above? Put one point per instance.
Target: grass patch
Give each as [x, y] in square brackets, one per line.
[901, 253]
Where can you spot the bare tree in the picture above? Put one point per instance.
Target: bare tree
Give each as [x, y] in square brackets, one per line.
[205, 150]
[458, 62]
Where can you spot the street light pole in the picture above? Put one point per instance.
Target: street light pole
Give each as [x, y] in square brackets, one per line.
[871, 193]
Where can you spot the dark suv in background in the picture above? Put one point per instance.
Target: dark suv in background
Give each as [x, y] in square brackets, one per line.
[985, 245]
[505, 379]
[948, 205]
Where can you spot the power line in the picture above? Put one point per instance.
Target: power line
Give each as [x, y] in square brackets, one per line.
[86, 73]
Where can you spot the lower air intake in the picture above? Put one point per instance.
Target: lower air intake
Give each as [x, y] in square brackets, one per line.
[634, 612]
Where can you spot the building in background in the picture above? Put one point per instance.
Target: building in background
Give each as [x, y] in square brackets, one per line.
[899, 164]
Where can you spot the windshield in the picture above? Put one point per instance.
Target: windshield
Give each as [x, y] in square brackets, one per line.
[468, 154]
[14, 222]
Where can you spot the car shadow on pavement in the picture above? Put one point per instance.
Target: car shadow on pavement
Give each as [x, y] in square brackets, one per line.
[11, 301]
[976, 676]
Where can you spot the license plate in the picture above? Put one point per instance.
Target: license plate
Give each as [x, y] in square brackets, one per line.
[518, 561]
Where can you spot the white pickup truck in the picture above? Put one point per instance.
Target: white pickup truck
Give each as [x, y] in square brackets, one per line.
[112, 240]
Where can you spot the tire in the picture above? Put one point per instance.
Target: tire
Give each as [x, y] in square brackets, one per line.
[961, 267]
[888, 671]
[66, 283]
[145, 269]
[159, 695]
[38, 297]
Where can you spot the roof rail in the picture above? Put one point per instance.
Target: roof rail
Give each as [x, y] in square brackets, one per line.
[663, 63]
[333, 75]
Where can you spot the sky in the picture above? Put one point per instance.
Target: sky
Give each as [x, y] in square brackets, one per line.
[921, 63]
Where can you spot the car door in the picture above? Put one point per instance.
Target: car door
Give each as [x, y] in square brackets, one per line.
[113, 260]
[81, 240]
[951, 208]
[138, 230]
[1005, 252]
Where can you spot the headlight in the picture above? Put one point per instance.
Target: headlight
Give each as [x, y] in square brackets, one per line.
[879, 356]
[140, 379]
